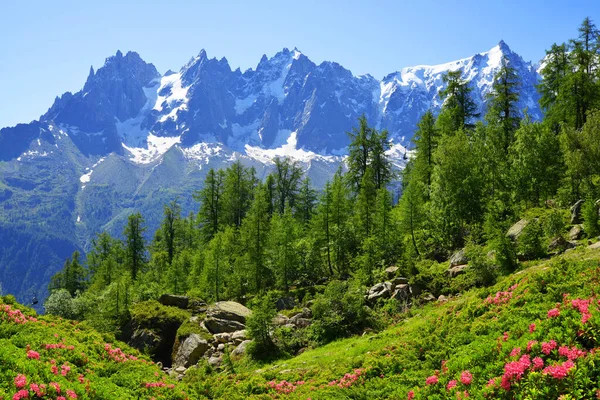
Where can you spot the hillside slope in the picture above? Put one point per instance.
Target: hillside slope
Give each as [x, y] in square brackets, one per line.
[532, 335]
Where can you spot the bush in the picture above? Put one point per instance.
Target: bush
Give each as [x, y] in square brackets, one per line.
[481, 265]
[259, 326]
[339, 312]
[590, 218]
[531, 241]
[60, 303]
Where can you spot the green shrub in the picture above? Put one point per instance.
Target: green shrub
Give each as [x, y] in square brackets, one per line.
[530, 244]
[340, 311]
[259, 326]
[60, 303]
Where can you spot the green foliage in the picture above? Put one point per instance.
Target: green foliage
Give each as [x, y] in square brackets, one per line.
[339, 311]
[60, 303]
[531, 241]
[260, 325]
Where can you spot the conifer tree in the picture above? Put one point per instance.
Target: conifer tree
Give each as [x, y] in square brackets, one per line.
[502, 102]
[238, 185]
[426, 140]
[459, 108]
[254, 235]
[135, 245]
[211, 207]
[306, 202]
[288, 176]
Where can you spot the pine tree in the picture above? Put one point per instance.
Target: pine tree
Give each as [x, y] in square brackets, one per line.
[71, 278]
[135, 245]
[459, 108]
[238, 185]
[358, 152]
[365, 204]
[211, 207]
[288, 176]
[321, 226]
[426, 139]
[340, 227]
[282, 254]
[502, 102]
[170, 228]
[379, 162]
[306, 202]
[552, 88]
[103, 259]
[254, 235]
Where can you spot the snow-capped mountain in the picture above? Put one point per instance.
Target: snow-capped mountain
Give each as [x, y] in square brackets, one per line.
[133, 139]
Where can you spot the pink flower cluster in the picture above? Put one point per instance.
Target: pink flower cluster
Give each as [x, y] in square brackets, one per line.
[39, 390]
[572, 353]
[33, 355]
[348, 379]
[466, 378]
[583, 306]
[559, 371]
[21, 394]
[501, 297]
[553, 313]
[20, 381]
[432, 380]
[11, 315]
[451, 385]
[284, 387]
[117, 354]
[547, 347]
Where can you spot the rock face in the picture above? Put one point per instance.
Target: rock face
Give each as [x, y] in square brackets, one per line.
[218, 325]
[517, 229]
[190, 351]
[459, 258]
[559, 244]
[229, 311]
[174, 301]
[576, 212]
[576, 232]
[240, 350]
[457, 270]
[285, 303]
[145, 340]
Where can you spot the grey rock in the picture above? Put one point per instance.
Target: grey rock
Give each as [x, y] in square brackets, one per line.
[285, 303]
[391, 272]
[402, 292]
[428, 298]
[180, 370]
[144, 340]
[221, 347]
[442, 299]
[280, 320]
[174, 301]
[190, 351]
[243, 335]
[299, 322]
[399, 280]
[558, 245]
[457, 270]
[459, 258]
[576, 232]
[576, 212]
[229, 310]
[241, 349]
[222, 337]
[217, 325]
[214, 361]
[517, 229]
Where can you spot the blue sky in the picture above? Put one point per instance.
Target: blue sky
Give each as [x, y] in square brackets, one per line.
[47, 46]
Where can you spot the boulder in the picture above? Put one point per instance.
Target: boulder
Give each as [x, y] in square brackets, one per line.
[428, 298]
[190, 351]
[174, 301]
[517, 229]
[197, 306]
[457, 270]
[240, 350]
[576, 232]
[280, 320]
[402, 292]
[442, 299]
[239, 335]
[299, 321]
[214, 361]
[217, 325]
[381, 290]
[459, 258]
[144, 340]
[576, 212]
[222, 337]
[594, 246]
[399, 280]
[558, 245]
[285, 303]
[221, 347]
[229, 310]
[391, 272]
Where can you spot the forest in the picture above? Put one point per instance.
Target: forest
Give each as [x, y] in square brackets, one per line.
[469, 178]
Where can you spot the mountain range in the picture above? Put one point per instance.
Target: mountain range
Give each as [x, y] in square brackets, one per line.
[133, 139]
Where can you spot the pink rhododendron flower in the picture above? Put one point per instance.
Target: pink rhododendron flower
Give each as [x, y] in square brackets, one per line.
[20, 381]
[515, 352]
[21, 394]
[451, 385]
[531, 328]
[411, 395]
[538, 363]
[466, 378]
[555, 312]
[34, 355]
[547, 347]
[432, 380]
